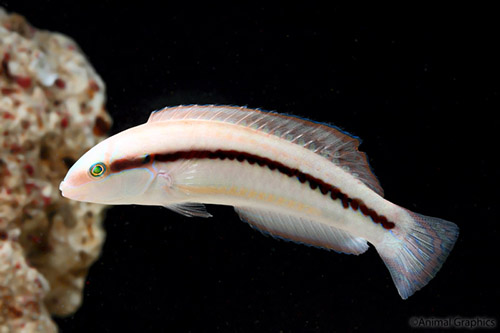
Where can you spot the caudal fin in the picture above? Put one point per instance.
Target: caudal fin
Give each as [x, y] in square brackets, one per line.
[416, 254]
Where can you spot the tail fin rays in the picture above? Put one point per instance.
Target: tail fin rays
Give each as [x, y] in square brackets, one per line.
[416, 258]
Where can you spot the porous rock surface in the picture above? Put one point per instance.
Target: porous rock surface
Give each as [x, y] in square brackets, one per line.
[51, 112]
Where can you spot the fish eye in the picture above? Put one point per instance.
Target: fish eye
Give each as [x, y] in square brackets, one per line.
[97, 169]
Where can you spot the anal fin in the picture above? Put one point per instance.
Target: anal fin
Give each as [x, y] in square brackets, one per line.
[302, 231]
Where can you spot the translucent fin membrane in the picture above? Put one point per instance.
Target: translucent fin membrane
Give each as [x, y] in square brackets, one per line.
[415, 260]
[302, 231]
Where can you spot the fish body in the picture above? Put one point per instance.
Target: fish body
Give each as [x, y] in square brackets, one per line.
[286, 176]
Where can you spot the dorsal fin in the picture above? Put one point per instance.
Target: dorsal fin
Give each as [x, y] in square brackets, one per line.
[323, 139]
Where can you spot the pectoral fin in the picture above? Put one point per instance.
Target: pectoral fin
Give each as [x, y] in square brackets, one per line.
[189, 209]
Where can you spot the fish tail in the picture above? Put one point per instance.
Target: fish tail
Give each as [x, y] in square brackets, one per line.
[415, 252]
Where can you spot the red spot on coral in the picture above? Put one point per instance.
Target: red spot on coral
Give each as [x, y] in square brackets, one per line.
[60, 83]
[8, 91]
[23, 81]
[93, 85]
[29, 187]
[15, 148]
[14, 312]
[8, 115]
[46, 200]
[38, 283]
[64, 122]
[29, 169]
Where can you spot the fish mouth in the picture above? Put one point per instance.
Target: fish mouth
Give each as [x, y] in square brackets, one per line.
[68, 191]
[63, 188]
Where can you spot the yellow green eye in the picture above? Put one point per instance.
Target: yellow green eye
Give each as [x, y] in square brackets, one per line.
[97, 169]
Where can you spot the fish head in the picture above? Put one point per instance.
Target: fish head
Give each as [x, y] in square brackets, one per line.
[99, 176]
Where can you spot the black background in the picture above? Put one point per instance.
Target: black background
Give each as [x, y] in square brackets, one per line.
[418, 84]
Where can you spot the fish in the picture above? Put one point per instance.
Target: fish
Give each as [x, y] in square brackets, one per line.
[286, 176]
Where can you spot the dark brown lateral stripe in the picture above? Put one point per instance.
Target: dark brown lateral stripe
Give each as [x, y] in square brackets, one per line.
[314, 183]
[124, 163]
